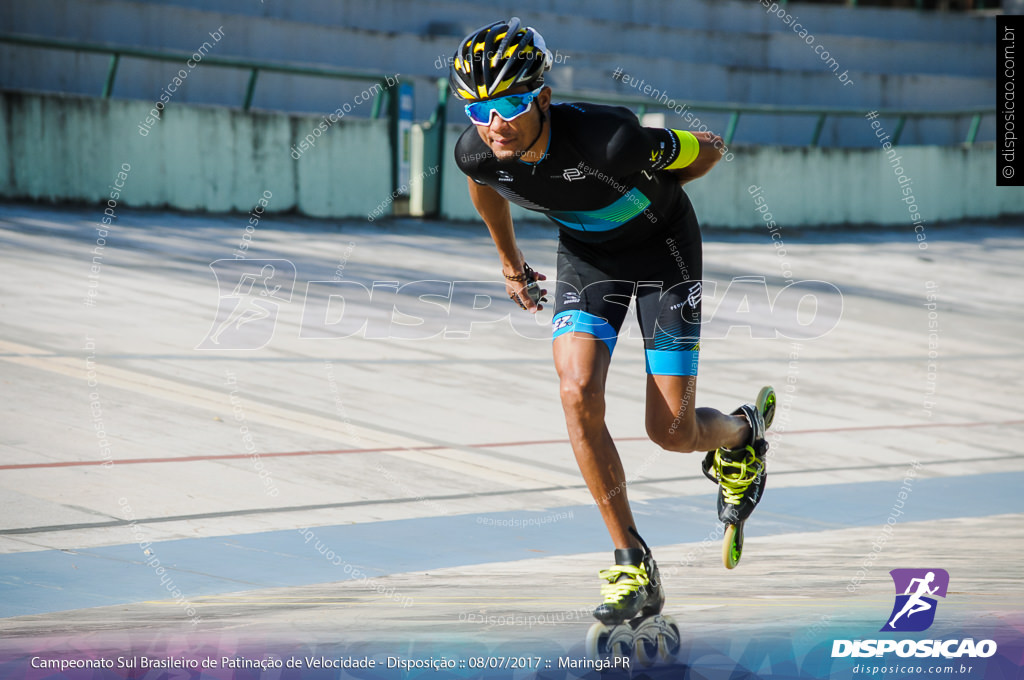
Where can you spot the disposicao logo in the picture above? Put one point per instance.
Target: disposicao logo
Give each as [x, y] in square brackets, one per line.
[914, 611]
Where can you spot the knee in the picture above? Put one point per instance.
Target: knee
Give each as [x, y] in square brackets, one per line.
[580, 392]
[674, 436]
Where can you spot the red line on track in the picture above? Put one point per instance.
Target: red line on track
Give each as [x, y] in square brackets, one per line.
[435, 447]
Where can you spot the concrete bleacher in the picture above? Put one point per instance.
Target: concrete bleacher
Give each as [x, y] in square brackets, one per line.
[696, 51]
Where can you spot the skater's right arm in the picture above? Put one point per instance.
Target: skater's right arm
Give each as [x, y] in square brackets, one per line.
[497, 215]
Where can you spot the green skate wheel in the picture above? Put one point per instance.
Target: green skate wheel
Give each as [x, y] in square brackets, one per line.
[766, 405]
[732, 545]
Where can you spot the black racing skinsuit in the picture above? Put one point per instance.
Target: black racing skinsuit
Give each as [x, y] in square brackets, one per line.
[626, 227]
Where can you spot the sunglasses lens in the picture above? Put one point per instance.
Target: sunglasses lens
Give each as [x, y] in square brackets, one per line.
[507, 107]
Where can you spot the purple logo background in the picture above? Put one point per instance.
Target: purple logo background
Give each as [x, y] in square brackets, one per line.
[916, 590]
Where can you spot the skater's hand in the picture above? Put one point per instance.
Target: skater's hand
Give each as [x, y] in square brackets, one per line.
[516, 286]
[711, 147]
[708, 138]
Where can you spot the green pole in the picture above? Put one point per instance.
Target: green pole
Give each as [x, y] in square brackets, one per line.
[730, 129]
[818, 127]
[393, 136]
[972, 132]
[250, 89]
[108, 84]
[899, 130]
[378, 100]
[441, 119]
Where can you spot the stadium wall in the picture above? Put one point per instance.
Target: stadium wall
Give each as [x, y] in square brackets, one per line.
[69, 148]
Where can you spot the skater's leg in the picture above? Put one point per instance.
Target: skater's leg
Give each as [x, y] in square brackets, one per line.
[582, 364]
[675, 424]
[670, 318]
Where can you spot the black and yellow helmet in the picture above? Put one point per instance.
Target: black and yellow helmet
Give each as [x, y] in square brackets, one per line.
[495, 58]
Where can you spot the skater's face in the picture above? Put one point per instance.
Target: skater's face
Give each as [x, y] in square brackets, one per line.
[508, 139]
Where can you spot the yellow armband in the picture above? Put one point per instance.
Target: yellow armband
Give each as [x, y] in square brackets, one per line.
[689, 147]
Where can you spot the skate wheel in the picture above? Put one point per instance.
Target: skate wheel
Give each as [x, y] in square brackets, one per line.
[597, 641]
[732, 545]
[766, 405]
[670, 643]
[648, 651]
[622, 650]
[608, 643]
[657, 639]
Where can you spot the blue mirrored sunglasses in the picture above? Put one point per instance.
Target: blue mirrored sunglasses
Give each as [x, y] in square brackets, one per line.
[508, 108]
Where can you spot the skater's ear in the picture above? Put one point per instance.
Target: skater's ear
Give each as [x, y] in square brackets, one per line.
[544, 99]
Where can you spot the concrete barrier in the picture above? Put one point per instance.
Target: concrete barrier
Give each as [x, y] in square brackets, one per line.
[216, 159]
[206, 158]
[812, 187]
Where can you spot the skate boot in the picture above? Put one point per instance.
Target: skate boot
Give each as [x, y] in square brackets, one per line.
[630, 616]
[634, 586]
[741, 474]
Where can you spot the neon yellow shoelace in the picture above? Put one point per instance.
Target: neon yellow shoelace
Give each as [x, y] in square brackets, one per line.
[632, 578]
[736, 482]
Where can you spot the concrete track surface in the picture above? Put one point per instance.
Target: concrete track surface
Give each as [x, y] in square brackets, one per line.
[350, 470]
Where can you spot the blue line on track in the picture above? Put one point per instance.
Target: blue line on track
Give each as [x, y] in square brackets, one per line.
[56, 580]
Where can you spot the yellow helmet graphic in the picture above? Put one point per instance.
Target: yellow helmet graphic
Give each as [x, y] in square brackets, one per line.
[495, 58]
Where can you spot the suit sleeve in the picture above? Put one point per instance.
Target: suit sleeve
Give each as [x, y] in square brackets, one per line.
[634, 149]
[468, 155]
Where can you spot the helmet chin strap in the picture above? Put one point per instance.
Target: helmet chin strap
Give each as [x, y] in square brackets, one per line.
[540, 131]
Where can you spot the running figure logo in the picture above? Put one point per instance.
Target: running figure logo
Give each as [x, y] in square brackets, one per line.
[914, 610]
[246, 316]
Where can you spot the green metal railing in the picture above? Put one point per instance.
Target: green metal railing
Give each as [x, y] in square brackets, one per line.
[820, 114]
[255, 67]
[641, 104]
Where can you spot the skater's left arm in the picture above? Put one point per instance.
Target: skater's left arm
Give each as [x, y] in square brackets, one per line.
[687, 155]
